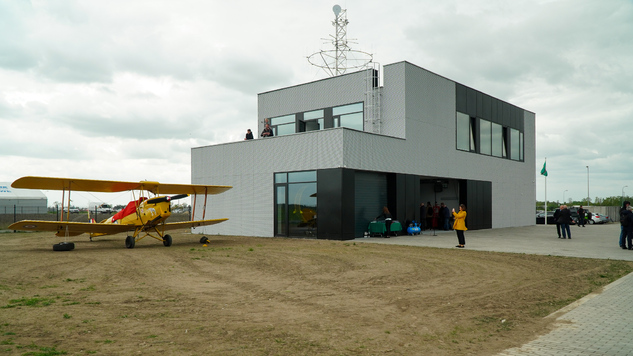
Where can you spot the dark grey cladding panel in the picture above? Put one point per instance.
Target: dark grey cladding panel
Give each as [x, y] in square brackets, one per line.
[460, 98]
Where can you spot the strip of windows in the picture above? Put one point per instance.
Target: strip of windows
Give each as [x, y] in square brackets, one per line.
[350, 116]
[488, 138]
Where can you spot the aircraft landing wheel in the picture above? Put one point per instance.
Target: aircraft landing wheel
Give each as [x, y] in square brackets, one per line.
[204, 240]
[167, 240]
[64, 246]
[129, 242]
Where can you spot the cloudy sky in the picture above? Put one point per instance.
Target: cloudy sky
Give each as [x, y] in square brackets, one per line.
[123, 90]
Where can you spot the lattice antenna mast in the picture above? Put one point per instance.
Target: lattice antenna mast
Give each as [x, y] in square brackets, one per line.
[340, 39]
[342, 58]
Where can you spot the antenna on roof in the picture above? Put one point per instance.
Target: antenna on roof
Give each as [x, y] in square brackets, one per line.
[342, 58]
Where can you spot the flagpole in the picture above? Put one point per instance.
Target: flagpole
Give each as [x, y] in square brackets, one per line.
[545, 193]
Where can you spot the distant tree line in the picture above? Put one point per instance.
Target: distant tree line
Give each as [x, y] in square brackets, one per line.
[610, 201]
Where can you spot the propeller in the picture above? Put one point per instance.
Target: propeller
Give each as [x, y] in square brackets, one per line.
[166, 199]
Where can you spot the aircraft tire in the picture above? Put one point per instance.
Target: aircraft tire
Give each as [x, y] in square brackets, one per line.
[64, 246]
[129, 242]
[204, 240]
[167, 240]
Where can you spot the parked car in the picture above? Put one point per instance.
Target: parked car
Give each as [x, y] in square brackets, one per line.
[540, 218]
[598, 219]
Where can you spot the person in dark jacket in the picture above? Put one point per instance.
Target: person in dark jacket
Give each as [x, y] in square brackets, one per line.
[623, 221]
[556, 216]
[581, 216]
[267, 132]
[565, 220]
[445, 216]
[249, 135]
[628, 226]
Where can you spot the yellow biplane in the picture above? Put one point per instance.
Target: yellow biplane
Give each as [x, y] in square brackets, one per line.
[141, 217]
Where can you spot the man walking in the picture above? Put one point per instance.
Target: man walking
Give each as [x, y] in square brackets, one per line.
[556, 216]
[581, 216]
[624, 225]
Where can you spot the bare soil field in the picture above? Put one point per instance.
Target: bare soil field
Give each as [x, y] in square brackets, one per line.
[270, 296]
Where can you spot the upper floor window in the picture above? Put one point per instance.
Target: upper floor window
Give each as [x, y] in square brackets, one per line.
[350, 116]
[492, 139]
[283, 125]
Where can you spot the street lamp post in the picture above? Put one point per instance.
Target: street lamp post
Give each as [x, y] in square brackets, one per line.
[622, 199]
[588, 186]
[564, 196]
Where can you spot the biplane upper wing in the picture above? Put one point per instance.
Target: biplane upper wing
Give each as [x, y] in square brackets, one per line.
[72, 228]
[108, 186]
[188, 224]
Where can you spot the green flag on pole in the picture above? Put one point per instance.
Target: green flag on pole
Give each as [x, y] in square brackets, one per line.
[544, 171]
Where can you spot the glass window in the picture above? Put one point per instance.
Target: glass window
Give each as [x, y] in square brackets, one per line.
[282, 120]
[346, 109]
[307, 176]
[514, 141]
[282, 213]
[497, 140]
[463, 132]
[352, 121]
[521, 146]
[485, 137]
[316, 114]
[281, 177]
[302, 209]
[296, 204]
[285, 129]
[505, 142]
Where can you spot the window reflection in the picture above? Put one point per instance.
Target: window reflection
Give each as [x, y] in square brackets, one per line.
[296, 204]
[302, 212]
[485, 137]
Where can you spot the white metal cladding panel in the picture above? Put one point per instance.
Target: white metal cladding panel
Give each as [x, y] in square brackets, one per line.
[249, 166]
[393, 101]
[340, 90]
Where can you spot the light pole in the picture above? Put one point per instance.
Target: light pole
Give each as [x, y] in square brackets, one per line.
[564, 196]
[588, 186]
[622, 199]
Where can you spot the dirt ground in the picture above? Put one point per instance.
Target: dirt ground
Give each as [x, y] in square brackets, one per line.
[269, 296]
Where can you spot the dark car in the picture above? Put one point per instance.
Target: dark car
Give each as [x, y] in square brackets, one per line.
[540, 218]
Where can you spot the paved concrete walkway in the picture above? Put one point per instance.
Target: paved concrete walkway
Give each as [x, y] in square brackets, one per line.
[599, 324]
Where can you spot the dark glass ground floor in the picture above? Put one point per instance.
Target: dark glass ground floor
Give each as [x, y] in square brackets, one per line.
[339, 203]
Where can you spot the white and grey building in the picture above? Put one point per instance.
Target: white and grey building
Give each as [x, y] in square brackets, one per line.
[346, 146]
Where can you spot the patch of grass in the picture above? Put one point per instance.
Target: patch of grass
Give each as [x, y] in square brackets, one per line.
[29, 302]
[90, 288]
[41, 351]
[67, 316]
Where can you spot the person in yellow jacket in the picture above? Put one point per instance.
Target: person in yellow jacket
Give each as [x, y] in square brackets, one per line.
[460, 224]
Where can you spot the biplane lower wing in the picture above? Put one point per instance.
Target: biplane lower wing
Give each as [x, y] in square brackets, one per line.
[66, 228]
[189, 224]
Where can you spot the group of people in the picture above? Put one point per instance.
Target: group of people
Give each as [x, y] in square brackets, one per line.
[267, 132]
[433, 217]
[562, 217]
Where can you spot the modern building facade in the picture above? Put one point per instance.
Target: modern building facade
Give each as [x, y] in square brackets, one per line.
[346, 146]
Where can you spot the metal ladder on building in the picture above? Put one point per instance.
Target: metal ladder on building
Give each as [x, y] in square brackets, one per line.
[373, 94]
